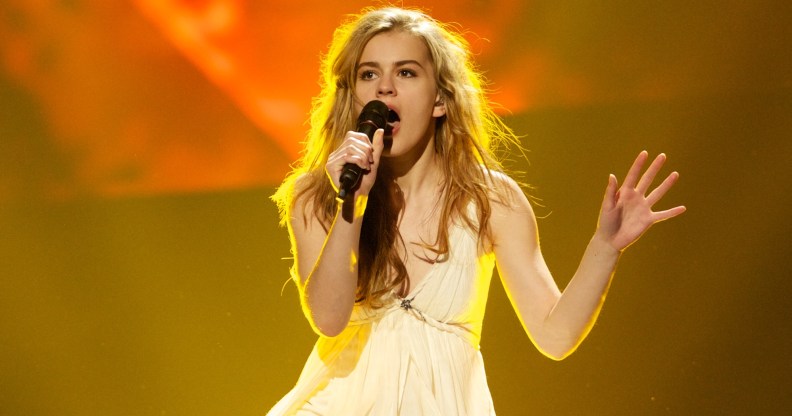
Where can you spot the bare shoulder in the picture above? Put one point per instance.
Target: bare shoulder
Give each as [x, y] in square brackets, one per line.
[511, 214]
[302, 212]
[506, 194]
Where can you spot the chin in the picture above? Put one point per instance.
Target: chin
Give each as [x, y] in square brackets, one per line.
[392, 149]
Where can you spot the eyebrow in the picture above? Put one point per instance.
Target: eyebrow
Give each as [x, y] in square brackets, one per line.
[398, 63]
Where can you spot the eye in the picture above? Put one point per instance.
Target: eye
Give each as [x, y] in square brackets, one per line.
[406, 73]
[367, 75]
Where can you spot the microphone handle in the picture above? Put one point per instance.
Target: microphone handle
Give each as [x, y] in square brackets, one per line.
[350, 176]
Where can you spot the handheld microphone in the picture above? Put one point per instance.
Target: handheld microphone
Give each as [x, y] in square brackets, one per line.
[373, 116]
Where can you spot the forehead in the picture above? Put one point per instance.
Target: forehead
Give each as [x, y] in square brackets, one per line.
[394, 47]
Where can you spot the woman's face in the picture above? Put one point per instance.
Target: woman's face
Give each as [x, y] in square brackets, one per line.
[396, 68]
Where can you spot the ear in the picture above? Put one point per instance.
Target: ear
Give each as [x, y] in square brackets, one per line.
[439, 107]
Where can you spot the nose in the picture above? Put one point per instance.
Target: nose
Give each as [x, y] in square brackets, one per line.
[385, 87]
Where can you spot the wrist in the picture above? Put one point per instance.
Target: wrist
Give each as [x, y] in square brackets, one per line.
[361, 201]
[603, 246]
[352, 208]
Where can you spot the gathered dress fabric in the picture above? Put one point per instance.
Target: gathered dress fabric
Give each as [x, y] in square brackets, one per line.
[417, 355]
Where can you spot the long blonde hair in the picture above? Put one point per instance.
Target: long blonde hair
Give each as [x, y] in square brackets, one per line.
[465, 139]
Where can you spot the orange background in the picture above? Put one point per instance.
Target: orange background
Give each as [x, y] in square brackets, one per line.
[142, 97]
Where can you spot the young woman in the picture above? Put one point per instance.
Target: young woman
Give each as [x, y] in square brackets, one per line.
[394, 277]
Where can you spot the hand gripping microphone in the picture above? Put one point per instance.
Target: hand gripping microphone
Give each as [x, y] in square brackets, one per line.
[374, 116]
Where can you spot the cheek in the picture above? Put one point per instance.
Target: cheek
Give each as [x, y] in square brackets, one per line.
[364, 90]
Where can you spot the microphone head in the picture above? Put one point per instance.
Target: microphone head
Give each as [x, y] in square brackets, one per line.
[374, 112]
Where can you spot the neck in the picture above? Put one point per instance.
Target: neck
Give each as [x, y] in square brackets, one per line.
[417, 173]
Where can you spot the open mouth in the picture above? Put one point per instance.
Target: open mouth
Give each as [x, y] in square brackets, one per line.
[393, 123]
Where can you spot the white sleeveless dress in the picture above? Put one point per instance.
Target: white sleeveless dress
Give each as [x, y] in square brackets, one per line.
[418, 355]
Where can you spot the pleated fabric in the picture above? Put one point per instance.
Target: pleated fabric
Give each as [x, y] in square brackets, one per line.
[418, 355]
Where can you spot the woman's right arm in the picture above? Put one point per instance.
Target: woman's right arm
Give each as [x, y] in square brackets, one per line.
[327, 261]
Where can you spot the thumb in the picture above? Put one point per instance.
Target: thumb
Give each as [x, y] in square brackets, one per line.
[378, 144]
[610, 193]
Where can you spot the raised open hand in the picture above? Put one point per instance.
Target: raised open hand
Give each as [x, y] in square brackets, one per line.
[626, 211]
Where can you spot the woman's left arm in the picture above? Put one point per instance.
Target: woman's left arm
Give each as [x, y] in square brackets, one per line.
[557, 322]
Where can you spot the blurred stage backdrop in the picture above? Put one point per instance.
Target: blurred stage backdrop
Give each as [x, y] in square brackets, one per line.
[142, 270]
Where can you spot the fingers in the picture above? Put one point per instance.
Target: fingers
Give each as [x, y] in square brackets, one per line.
[658, 193]
[642, 183]
[669, 213]
[355, 149]
[634, 173]
[649, 175]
